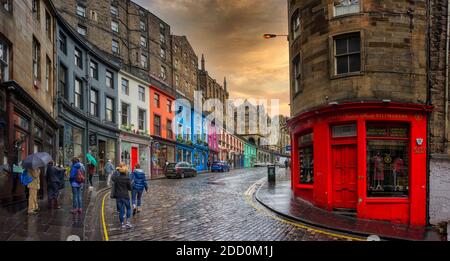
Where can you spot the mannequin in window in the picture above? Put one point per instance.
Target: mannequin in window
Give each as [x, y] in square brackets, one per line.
[398, 171]
[378, 172]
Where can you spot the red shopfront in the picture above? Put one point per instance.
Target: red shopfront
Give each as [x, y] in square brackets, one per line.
[368, 158]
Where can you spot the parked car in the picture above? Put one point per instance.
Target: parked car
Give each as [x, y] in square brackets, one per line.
[180, 170]
[220, 166]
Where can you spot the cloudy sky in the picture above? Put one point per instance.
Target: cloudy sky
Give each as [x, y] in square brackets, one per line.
[229, 33]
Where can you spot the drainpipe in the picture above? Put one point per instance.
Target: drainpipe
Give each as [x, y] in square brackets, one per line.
[428, 103]
[446, 112]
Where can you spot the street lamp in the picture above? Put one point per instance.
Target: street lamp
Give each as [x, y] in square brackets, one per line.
[270, 36]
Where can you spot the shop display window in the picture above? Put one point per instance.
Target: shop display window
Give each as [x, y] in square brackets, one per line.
[306, 159]
[387, 160]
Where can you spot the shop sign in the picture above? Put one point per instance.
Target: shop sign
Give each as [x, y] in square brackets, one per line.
[382, 131]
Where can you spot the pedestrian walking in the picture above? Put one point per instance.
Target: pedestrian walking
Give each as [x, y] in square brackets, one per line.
[109, 170]
[122, 188]
[91, 172]
[53, 185]
[77, 179]
[139, 183]
[33, 188]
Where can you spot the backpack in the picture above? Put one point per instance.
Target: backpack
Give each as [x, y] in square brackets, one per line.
[25, 178]
[79, 177]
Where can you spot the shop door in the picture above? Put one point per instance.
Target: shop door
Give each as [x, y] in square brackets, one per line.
[134, 157]
[345, 177]
[101, 158]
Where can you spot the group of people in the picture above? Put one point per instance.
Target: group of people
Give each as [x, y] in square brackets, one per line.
[122, 183]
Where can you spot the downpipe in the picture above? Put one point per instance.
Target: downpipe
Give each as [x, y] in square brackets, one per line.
[446, 109]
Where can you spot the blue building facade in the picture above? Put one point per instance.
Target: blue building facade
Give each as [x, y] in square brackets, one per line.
[183, 131]
[200, 140]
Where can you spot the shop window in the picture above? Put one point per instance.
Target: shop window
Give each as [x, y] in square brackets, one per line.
[387, 160]
[111, 150]
[21, 146]
[306, 159]
[344, 131]
[73, 143]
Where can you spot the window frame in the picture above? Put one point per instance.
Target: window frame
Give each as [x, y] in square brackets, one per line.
[78, 58]
[125, 88]
[117, 50]
[81, 11]
[96, 103]
[347, 54]
[143, 120]
[109, 80]
[157, 116]
[82, 30]
[36, 57]
[62, 42]
[111, 110]
[157, 100]
[93, 72]
[333, 61]
[144, 60]
[79, 94]
[141, 93]
[113, 27]
[127, 113]
[48, 25]
[63, 71]
[333, 10]
[114, 11]
[5, 62]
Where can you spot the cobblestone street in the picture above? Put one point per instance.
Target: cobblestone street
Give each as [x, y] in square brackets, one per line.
[208, 207]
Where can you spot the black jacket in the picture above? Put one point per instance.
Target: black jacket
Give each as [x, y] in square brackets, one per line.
[122, 186]
[53, 179]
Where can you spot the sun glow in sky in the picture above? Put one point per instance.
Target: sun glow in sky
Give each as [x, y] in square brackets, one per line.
[230, 34]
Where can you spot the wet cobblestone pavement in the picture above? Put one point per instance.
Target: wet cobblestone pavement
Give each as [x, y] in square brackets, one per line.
[210, 207]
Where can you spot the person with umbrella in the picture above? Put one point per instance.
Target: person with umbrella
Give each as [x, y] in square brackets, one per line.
[32, 164]
[92, 163]
[53, 186]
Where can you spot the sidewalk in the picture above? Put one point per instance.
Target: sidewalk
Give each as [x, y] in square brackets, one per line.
[49, 225]
[279, 199]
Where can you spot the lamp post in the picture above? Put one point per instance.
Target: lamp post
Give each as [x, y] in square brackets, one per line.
[270, 36]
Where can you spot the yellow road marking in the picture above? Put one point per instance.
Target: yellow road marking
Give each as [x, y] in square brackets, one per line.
[249, 199]
[105, 230]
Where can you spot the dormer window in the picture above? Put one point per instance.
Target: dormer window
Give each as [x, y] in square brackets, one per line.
[343, 7]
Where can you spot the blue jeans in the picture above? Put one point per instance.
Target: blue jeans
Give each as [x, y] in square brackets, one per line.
[76, 197]
[124, 203]
[137, 194]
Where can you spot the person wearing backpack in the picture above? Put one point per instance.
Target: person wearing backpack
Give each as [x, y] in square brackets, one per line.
[33, 187]
[139, 183]
[122, 187]
[76, 181]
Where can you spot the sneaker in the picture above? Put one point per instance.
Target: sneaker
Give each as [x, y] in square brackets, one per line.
[128, 225]
[134, 211]
[123, 226]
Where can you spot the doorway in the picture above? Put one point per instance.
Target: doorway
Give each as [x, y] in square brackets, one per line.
[101, 159]
[134, 157]
[345, 192]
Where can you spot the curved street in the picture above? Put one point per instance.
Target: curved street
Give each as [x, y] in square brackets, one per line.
[208, 207]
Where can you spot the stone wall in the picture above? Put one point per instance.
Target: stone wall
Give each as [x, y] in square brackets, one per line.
[439, 189]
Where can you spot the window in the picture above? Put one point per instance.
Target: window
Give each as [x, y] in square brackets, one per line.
[48, 25]
[7, 5]
[94, 103]
[343, 7]
[115, 47]
[163, 73]
[387, 160]
[94, 70]
[162, 28]
[306, 159]
[115, 26]
[82, 30]
[169, 106]
[157, 125]
[94, 15]
[125, 87]
[109, 109]
[109, 80]
[142, 26]
[78, 58]
[48, 69]
[295, 24]
[141, 93]
[36, 8]
[62, 76]
[297, 75]
[78, 94]
[347, 54]
[177, 80]
[169, 129]
[156, 100]
[141, 12]
[114, 11]
[36, 59]
[4, 62]
[344, 131]
[143, 41]
[144, 61]
[63, 42]
[81, 11]
[163, 53]
[125, 112]
[162, 38]
[141, 119]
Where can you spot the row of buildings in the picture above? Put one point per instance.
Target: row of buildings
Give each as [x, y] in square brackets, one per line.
[370, 107]
[106, 77]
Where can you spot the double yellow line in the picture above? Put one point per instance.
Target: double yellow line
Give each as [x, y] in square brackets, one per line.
[248, 195]
[105, 229]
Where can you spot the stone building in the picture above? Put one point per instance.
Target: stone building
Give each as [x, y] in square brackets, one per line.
[27, 90]
[359, 106]
[125, 30]
[185, 67]
[210, 87]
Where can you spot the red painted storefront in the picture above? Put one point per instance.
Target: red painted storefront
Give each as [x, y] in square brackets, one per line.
[364, 157]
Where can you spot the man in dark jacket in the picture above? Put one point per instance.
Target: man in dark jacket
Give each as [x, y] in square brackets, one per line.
[53, 186]
[122, 188]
